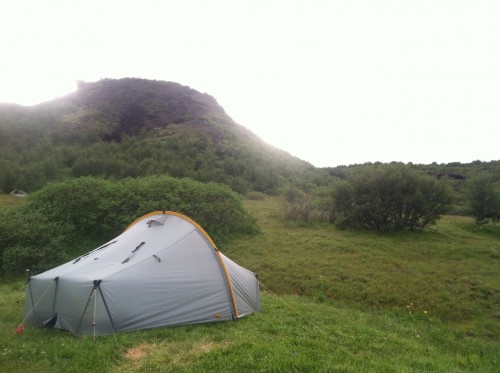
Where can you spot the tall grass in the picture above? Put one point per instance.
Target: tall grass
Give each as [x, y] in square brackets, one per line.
[336, 301]
[449, 272]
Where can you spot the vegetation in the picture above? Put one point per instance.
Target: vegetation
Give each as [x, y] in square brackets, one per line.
[390, 198]
[136, 128]
[394, 297]
[333, 300]
[66, 219]
[483, 197]
[115, 129]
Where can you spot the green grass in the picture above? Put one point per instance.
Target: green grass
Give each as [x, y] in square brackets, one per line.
[332, 301]
[451, 270]
[6, 200]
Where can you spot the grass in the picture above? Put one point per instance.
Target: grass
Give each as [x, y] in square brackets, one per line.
[450, 271]
[6, 200]
[332, 301]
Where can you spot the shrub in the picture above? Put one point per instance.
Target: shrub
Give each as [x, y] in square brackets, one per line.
[483, 200]
[65, 219]
[301, 206]
[30, 240]
[390, 198]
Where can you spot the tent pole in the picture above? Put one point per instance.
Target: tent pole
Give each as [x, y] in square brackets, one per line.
[85, 309]
[95, 309]
[107, 309]
[228, 283]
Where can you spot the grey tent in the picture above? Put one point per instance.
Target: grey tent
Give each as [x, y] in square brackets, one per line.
[162, 270]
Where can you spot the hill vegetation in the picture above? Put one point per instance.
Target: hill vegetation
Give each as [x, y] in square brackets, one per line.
[136, 128]
[124, 128]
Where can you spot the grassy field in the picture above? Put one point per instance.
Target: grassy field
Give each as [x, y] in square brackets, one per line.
[332, 301]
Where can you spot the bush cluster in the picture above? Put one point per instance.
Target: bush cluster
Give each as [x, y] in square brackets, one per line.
[65, 219]
[390, 198]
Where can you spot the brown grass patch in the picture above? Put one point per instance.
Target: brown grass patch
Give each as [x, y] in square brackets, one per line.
[208, 346]
[169, 353]
[138, 352]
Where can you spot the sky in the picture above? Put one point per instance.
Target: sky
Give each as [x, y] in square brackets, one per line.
[331, 82]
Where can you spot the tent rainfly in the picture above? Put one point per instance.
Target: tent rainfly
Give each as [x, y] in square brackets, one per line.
[162, 270]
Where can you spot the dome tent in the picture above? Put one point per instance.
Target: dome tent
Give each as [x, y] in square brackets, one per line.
[162, 270]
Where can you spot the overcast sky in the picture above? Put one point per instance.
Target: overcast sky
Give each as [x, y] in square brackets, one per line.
[331, 82]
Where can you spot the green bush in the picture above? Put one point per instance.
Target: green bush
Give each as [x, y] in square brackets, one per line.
[390, 198]
[483, 200]
[29, 239]
[65, 219]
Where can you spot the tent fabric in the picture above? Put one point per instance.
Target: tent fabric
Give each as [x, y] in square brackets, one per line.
[162, 270]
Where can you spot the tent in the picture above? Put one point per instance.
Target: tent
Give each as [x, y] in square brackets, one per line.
[162, 270]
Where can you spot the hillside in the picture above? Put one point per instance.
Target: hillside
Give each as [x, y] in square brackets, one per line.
[134, 128]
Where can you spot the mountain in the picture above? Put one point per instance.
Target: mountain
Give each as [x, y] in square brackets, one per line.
[133, 128]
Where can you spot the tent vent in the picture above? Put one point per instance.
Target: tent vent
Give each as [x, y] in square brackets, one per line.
[160, 220]
[93, 251]
[138, 247]
[133, 252]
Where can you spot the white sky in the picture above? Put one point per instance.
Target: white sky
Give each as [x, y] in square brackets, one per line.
[332, 82]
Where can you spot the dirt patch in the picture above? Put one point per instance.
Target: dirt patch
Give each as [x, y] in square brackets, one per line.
[196, 350]
[169, 353]
[205, 347]
[138, 352]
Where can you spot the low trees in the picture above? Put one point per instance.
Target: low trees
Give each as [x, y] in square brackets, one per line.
[390, 198]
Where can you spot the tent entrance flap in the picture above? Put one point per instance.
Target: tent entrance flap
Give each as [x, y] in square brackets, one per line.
[38, 308]
[50, 322]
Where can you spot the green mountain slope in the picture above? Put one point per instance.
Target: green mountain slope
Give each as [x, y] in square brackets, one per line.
[133, 128]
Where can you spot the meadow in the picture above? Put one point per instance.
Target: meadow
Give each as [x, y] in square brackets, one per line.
[332, 301]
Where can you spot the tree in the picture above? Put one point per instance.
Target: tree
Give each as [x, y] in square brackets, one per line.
[483, 200]
[390, 198]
